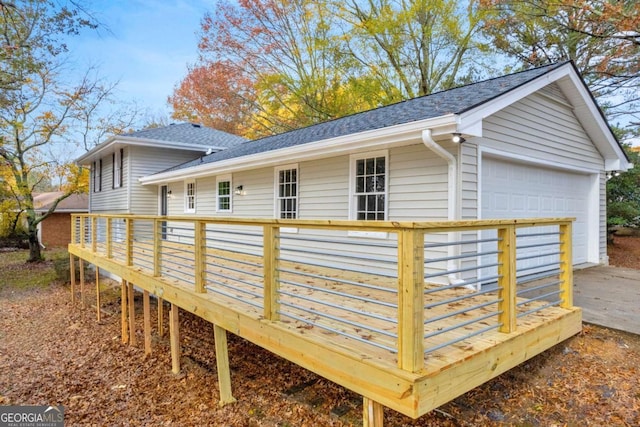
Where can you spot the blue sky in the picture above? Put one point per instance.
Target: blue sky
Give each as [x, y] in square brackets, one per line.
[146, 47]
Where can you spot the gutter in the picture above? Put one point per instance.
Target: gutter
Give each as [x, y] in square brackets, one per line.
[452, 199]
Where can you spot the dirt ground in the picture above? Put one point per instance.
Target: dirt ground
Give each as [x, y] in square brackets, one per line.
[54, 353]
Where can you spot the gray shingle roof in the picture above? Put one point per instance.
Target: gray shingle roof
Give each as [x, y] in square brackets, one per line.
[452, 101]
[189, 133]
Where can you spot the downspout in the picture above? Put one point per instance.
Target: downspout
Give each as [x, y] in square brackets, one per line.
[452, 199]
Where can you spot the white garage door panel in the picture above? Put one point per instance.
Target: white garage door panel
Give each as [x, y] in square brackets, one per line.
[515, 190]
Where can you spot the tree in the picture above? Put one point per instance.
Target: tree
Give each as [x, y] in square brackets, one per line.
[414, 47]
[269, 66]
[601, 37]
[36, 107]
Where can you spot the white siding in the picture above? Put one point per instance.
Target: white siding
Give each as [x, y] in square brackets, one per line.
[146, 161]
[324, 189]
[110, 199]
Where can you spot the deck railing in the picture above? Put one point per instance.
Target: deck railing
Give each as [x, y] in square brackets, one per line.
[407, 288]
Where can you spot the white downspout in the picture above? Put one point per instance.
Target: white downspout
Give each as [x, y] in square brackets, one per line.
[452, 198]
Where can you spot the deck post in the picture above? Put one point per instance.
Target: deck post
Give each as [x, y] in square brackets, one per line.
[147, 322]
[566, 264]
[108, 248]
[94, 234]
[72, 273]
[98, 317]
[222, 362]
[132, 314]
[174, 338]
[372, 413]
[160, 317]
[129, 240]
[271, 245]
[81, 264]
[74, 220]
[507, 278]
[199, 255]
[157, 256]
[411, 299]
[123, 311]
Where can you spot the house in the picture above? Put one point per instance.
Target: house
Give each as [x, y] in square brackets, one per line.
[118, 164]
[253, 235]
[55, 230]
[535, 145]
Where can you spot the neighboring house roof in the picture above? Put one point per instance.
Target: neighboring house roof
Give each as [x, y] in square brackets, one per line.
[74, 203]
[458, 110]
[181, 136]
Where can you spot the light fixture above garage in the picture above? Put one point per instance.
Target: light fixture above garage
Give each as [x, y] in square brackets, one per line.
[457, 138]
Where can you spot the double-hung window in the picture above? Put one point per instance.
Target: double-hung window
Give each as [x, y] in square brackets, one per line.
[369, 186]
[223, 193]
[117, 168]
[190, 197]
[287, 192]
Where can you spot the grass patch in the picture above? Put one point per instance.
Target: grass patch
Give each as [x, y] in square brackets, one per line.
[17, 274]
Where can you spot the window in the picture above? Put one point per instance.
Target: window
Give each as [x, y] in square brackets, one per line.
[369, 180]
[190, 197]
[97, 176]
[117, 168]
[223, 194]
[287, 192]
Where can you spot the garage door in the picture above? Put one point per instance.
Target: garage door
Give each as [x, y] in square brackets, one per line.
[516, 190]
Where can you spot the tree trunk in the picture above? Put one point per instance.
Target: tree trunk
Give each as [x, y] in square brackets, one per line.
[35, 254]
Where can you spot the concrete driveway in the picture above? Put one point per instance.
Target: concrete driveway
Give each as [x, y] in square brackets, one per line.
[609, 296]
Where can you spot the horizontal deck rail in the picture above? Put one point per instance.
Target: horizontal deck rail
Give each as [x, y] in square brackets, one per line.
[401, 291]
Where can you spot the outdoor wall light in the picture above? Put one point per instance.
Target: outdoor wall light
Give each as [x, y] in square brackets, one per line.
[239, 191]
[457, 138]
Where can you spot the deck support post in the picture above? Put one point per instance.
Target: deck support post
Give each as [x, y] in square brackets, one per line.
[271, 245]
[199, 255]
[507, 278]
[81, 263]
[123, 311]
[72, 273]
[174, 338]
[566, 265]
[147, 322]
[82, 231]
[160, 317]
[132, 314]
[222, 362]
[411, 300]
[372, 413]
[98, 317]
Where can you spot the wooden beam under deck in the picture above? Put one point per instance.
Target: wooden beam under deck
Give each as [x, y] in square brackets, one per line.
[444, 376]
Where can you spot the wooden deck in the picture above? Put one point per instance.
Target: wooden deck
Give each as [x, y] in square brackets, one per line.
[409, 354]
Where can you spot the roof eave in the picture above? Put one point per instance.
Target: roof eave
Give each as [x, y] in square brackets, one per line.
[371, 139]
[96, 152]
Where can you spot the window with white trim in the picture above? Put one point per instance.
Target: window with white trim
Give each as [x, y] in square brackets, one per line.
[223, 193]
[369, 186]
[190, 197]
[117, 168]
[287, 192]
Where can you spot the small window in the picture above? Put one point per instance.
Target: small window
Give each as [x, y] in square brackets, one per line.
[287, 192]
[223, 194]
[117, 168]
[370, 188]
[190, 197]
[97, 176]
